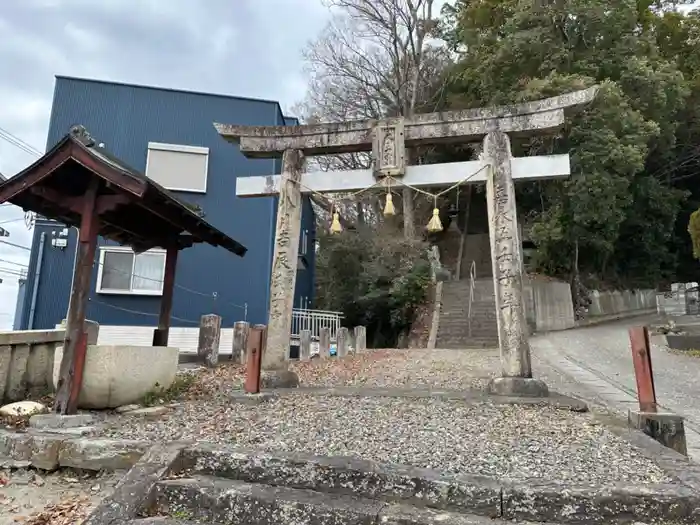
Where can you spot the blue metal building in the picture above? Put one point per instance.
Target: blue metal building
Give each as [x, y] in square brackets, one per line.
[168, 135]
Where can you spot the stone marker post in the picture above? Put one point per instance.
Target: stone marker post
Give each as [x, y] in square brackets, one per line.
[324, 343]
[304, 345]
[360, 339]
[240, 342]
[343, 341]
[209, 337]
[507, 273]
[284, 272]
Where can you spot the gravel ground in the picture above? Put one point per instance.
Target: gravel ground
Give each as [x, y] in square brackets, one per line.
[504, 441]
[453, 436]
[60, 498]
[453, 369]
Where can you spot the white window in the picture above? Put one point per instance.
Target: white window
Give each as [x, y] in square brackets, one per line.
[177, 167]
[122, 271]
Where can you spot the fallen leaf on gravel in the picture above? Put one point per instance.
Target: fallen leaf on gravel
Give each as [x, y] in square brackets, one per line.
[69, 512]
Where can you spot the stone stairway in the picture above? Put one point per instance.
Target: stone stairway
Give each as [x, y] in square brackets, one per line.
[181, 484]
[222, 487]
[453, 330]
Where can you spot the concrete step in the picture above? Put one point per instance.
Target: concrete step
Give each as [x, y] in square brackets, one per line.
[462, 307]
[233, 486]
[463, 340]
[465, 336]
[464, 299]
[164, 520]
[476, 324]
[489, 313]
[229, 502]
[465, 345]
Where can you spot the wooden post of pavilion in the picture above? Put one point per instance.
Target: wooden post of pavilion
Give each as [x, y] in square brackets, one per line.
[160, 334]
[75, 344]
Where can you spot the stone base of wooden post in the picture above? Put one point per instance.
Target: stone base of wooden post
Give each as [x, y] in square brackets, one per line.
[304, 345]
[343, 338]
[240, 342]
[279, 379]
[209, 337]
[360, 339]
[666, 428]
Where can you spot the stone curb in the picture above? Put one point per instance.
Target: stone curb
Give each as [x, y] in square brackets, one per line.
[672, 462]
[132, 493]
[50, 451]
[554, 400]
[479, 495]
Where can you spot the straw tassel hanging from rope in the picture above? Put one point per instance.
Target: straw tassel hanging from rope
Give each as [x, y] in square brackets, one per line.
[335, 223]
[435, 224]
[389, 209]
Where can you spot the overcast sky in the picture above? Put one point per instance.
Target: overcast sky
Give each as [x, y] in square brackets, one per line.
[239, 47]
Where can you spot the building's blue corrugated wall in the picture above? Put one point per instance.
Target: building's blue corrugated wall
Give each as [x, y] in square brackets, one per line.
[54, 280]
[126, 118]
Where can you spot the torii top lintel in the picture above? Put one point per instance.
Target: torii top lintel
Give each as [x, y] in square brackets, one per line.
[424, 129]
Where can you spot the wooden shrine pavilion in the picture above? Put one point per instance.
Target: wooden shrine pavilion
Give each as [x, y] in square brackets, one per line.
[79, 183]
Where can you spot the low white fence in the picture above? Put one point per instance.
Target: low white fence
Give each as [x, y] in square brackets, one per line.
[314, 321]
[187, 338]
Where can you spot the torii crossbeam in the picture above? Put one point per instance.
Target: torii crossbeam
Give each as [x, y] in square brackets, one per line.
[387, 140]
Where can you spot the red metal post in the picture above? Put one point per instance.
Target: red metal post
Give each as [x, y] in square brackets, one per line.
[75, 344]
[257, 336]
[160, 334]
[643, 371]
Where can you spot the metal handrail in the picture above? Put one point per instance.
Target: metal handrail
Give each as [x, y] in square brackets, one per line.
[472, 283]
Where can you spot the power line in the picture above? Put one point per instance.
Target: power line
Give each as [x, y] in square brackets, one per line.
[11, 270]
[19, 143]
[136, 312]
[15, 263]
[211, 295]
[12, 220]
[15, 245]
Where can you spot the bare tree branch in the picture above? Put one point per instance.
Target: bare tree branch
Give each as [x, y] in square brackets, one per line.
[374, 59]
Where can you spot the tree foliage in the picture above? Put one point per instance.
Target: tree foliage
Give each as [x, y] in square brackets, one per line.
[621, 219]
[614, 219]
[375, 277]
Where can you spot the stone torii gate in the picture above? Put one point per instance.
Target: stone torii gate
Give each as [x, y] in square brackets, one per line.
[387, 140]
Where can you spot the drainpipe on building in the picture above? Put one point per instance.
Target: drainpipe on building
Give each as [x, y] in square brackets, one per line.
[37, 276]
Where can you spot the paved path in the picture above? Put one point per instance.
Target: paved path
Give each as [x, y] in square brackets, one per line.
[599, 361]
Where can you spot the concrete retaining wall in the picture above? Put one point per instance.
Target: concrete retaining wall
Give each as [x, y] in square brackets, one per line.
[549, 305]
[26, 362]
[27, 359]
[607, 306]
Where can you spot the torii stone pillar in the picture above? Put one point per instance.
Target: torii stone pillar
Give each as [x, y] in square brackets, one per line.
[275, 371]
[516, 368]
